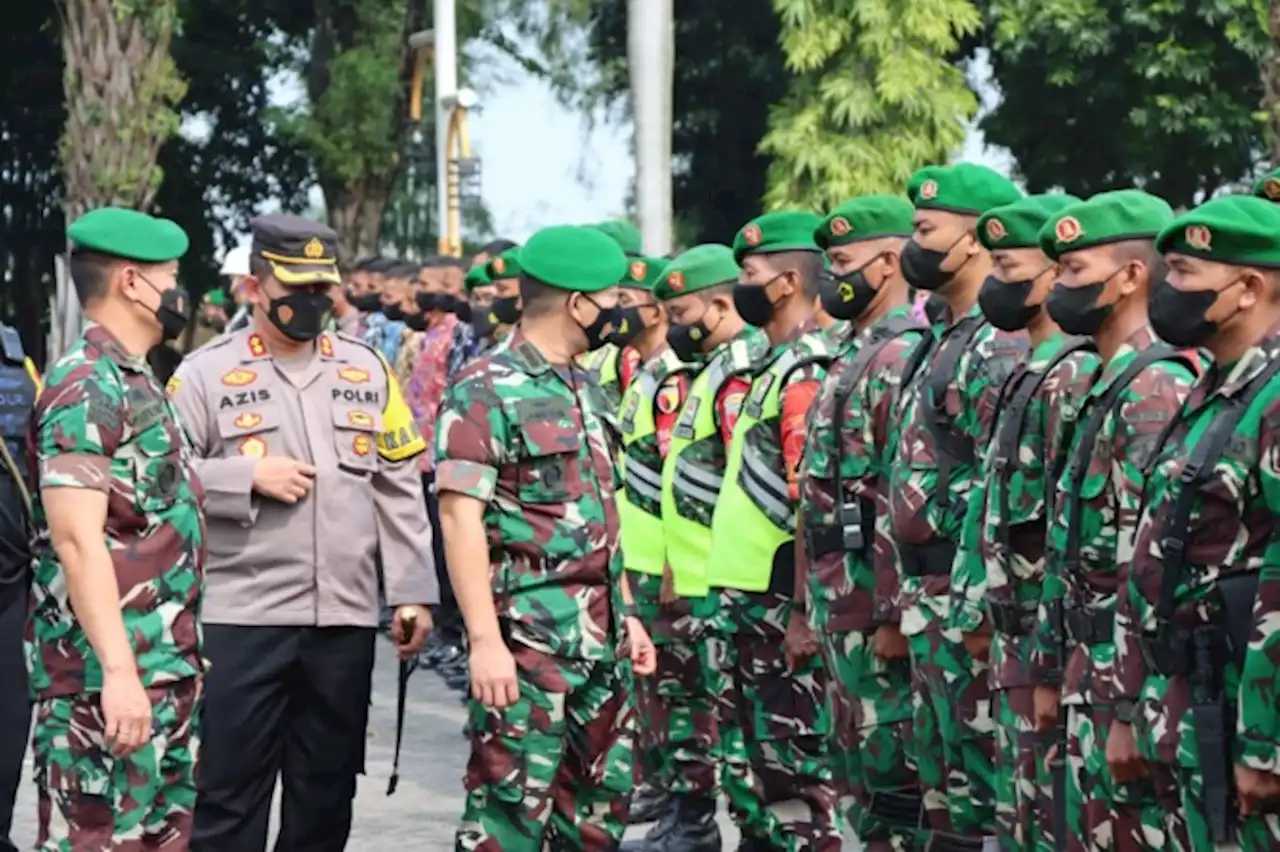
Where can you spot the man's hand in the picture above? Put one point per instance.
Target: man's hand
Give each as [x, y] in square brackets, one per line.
[410, 627]
[667, 594]
[1122, 755]
[283, 479]
[890, 644]
[493, 674]
[127, 711]
[1045, 699]
[799, 643]
[644, 657]
[1257, 791]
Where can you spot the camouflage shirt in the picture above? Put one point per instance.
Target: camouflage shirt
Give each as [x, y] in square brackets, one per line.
[105, 423]
[1231, 532]
[985, 568]
[1107, 522]
[849, 591]
[529, 440]
[918, 516]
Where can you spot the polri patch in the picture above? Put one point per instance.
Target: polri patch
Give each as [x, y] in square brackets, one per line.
[354, 375]
[253, 447]
[239, 377]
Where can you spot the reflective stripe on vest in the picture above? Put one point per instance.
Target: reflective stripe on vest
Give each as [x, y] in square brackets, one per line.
[755, 514]
[689, 485]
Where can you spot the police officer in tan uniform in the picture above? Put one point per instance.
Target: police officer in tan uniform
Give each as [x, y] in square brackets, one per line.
[310, 470]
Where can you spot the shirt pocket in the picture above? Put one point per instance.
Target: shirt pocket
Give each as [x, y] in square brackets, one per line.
[355, 438]
[159, 470]
[251, 432]
[549, 470]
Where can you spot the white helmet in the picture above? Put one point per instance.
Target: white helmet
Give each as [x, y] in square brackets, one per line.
[236, 261]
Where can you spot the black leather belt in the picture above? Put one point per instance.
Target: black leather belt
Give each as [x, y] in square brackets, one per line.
[929, 560]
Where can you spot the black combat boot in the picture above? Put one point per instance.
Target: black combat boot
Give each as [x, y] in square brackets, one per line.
[688, 826]
[648, 804]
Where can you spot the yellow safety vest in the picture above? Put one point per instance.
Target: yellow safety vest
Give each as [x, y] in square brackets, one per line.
[640, 498]
[693, 470]
[755, 514]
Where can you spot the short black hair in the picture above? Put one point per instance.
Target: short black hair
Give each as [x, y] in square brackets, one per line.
[404, 270]
[537, 297]
[497, 246]
[91, 274]
[808, 263]
[260, 267]
[725, 288]
[1143, 251]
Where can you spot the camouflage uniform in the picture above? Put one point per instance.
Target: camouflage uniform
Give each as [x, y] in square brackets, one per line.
[1128, 816]
[528, 439]
[954, 736]
[104, 423]
[999, 579]
[852, 593]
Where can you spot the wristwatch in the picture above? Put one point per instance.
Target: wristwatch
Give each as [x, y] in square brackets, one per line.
[1122, 711]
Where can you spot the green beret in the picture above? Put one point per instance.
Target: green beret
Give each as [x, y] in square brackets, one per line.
[782, 230]
[1268, 186]
[505, 265]
[867, 218]
[128, 234]
[1108, 217]
[624, 234]
[1237, 229]
[215, 297]
[963, 188]
[1018, 225]
[643, 272]
[477, 276]
[699, 268]
[573, 258]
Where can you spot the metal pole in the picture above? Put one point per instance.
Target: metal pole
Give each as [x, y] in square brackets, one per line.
[446, 62]
[651, 47]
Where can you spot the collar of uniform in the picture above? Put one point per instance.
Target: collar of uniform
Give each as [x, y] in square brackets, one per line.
[253, 346]
[1044, 351]
[108, 344]
[796, 333]
[1142, 339]
[1250, 364]
[525, 356]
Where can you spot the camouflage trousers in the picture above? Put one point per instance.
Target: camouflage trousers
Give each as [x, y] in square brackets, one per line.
[1023, 786]
[953, 734]
[557, 767]
[783, 794]
[90, 800]
[870, 704]
[678, 735]
[1101, 814]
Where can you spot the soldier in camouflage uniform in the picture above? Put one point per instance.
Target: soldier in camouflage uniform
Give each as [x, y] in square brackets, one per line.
[526, 482]
[999, 569]
[503, 272]
[481, 294]
[852, 583]
[1107, 260]
[697, 290]
[113, 639]
[1196, 620]
[949, 397]
[778, 670]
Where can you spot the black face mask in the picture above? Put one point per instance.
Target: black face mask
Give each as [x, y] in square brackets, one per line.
[452, 304]
[393, 312]
[462, 310]
[1177, 316]
[753, 303]
[1076, 310]
[847, 297]
[171, 313]
[1004, 303]
[483, 321]
[300, 316]
[923, 267]
[601, 328]
[415, 322]
[629, 326]
[507, 310]
[431, 301]
[366, 302]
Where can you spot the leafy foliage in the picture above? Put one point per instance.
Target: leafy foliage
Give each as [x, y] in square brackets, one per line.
[1103, 94]
[874, 96]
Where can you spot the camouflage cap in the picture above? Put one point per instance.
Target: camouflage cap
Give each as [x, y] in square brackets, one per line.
[128, 234]
[477, 276]
[1240, 230]
[869, 217]
[1108, 217]
[643, 272]
[299, 250]
[782, 230]
[699, 268]
[624, 234]
[1018, 225]
[573, 258]
[1268, 186]
[505, 265]
[965, 188]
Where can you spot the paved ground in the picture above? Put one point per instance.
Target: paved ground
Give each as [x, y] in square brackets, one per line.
[424, 811]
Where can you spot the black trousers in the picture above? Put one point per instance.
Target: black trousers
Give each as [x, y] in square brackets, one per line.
[448, 616]
[15, 705]
[286, 701]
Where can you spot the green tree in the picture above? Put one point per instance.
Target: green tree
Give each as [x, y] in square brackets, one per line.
[874, 96]
[1104, 94]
